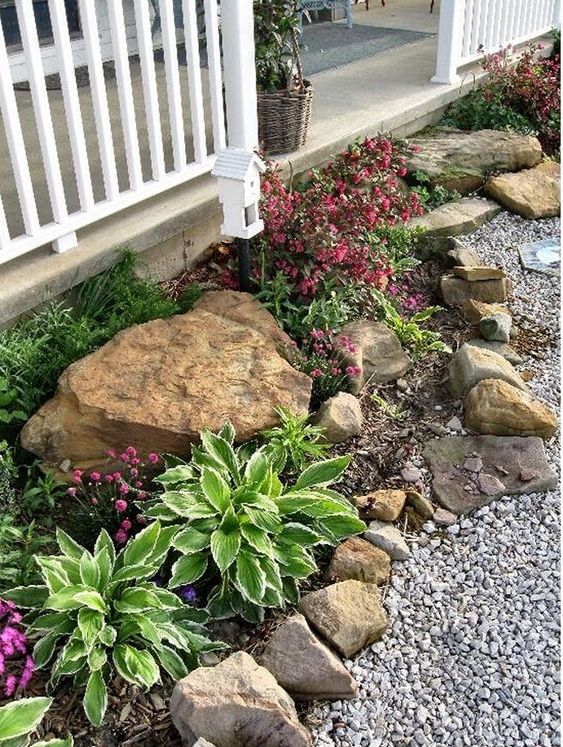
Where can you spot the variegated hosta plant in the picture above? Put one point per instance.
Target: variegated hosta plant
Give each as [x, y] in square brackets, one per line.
[246, 534]
[98, 613]
[21, 717]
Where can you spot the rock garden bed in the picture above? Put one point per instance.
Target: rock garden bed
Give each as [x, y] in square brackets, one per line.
[338, 451]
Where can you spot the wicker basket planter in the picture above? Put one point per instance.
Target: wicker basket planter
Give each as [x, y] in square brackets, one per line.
[283, 119]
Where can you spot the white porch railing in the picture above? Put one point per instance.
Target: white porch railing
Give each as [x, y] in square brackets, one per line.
[166, 113]
[470, 28]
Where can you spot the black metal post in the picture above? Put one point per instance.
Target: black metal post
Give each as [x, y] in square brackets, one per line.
[243, 249]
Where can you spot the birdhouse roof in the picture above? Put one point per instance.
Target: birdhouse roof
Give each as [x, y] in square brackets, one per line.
[235, 163]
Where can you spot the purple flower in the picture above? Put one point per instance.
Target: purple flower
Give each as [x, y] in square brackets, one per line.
[188, 593]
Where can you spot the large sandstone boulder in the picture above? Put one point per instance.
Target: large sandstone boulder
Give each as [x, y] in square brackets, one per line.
[348, 614]
[304, 666]
[470, 365]
[534, 193]
[462, 160]
[157, 385]
[378, 354]
[494, 406]
[236, 704]
[452, 219]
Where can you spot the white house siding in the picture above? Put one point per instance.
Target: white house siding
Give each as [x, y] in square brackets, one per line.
[17, 61]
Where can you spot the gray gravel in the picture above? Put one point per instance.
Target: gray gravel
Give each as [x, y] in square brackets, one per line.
[472, 653]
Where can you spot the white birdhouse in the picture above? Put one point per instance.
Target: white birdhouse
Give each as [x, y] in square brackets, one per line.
[238, 175]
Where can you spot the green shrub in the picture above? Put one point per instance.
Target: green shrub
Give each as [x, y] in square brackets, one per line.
[294, 443]
[19, 543]
[431, 197]
[245, 534]
[98, 615]
[475, 112]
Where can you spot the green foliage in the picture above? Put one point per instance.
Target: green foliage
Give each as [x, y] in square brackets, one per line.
[294, 443]
[431, 197]
[8, 476]
[420, 341]
[187, 298]
[477, 112]
[21, 717]
[37, 350]
[98, 614]
[42, 490]
[245, 533]
[19, 543]
[276, 26]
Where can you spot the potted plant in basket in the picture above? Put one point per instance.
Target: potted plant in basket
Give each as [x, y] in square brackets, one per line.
[284, 95]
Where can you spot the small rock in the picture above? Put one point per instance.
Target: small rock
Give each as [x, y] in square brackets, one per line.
[361, 561]
[385, 505]
[379, 354]
[421, 505]
[500, 348]
[481, 272]
[454, 424]
[389, 539]
[348, 614]
[402, 385]
[304, 666]
[490, 485]
[236, 703]
[473, 464]
[473, 311]
[533, 193]
[65, 465]
[456, 291]
[157, 701]
[444, 518]
[340, 416]
[203, 743]
[496, 407]
[496, 327]
[411, 474]
[470, 365]
[463, 255]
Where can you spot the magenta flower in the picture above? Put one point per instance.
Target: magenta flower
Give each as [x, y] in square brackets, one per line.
[95, 476]
[153, 457]
[124, 489]
[121, 505]
[71, 492]
[120, 536]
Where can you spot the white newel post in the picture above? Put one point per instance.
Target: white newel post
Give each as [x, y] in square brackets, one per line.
[450, 41]
[238, 167]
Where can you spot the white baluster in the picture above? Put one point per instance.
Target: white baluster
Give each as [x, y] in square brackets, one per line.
[215, 75]
[193, 61]
[173, 83]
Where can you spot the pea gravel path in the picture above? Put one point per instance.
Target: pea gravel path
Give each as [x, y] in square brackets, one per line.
[471, 656]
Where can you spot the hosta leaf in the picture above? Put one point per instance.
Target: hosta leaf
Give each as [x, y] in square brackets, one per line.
[89, 570]
[22, 716]
[265, 520]
[140, 547]
[250, 578]
[105, 566]
[44, 649]
[91, 599]
[190, 541]
[273, 598]
[256, 538]
[68, 546]
[135, 665]
[272, 571]
[105, 541]
[171, 662]
[161, 512]
[107, 635]
[188, 569]
[257, 500]
[90, 623]
[167, 600]
[129, 572]
[316, 507]
[162, 545]
[215, 489]
[95, 698]
[188, 505]
[256, 469]
[219, 602]
[293, 504]
[27, 596]
[175, 475]
[252, 613]
[291, 590]
[137, 600]
[68, 742]
[337, 527]
[97, 658]
[224, 548]
[222, 451]
[294, 533]
[66, 599]
[295, 561]
[228, 433]
[322, 473]
[49, 621]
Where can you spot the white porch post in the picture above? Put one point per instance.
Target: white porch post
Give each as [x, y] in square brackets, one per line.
[237, 25]
[450, 40]
[556, 20]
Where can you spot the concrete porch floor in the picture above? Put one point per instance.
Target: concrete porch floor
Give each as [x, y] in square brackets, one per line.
[390, 92]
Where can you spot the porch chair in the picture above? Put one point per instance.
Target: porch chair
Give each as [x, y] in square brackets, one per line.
[315, 5]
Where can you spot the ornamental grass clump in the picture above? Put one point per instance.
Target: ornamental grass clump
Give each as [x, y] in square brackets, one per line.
[100, 614]
[246, 537]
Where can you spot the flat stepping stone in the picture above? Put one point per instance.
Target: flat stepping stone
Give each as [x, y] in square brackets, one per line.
[500, 348]
[533, 193]
[457, 291]
[453, 219]
[472, 471]
[462, 160]
[349, 615]
[388, 538]
[542, 256]
[470, 365]
[495, 407]
[359, 560]
[304, 666]
[479, 272]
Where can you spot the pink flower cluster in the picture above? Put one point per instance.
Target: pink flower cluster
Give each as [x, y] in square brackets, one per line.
[13, 650]
[114, 492]
[323, 358]
[323, 230]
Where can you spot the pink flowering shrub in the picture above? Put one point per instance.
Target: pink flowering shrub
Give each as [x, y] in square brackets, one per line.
[327, 230]
[16, 663]
[109, 499]
[322, 357]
